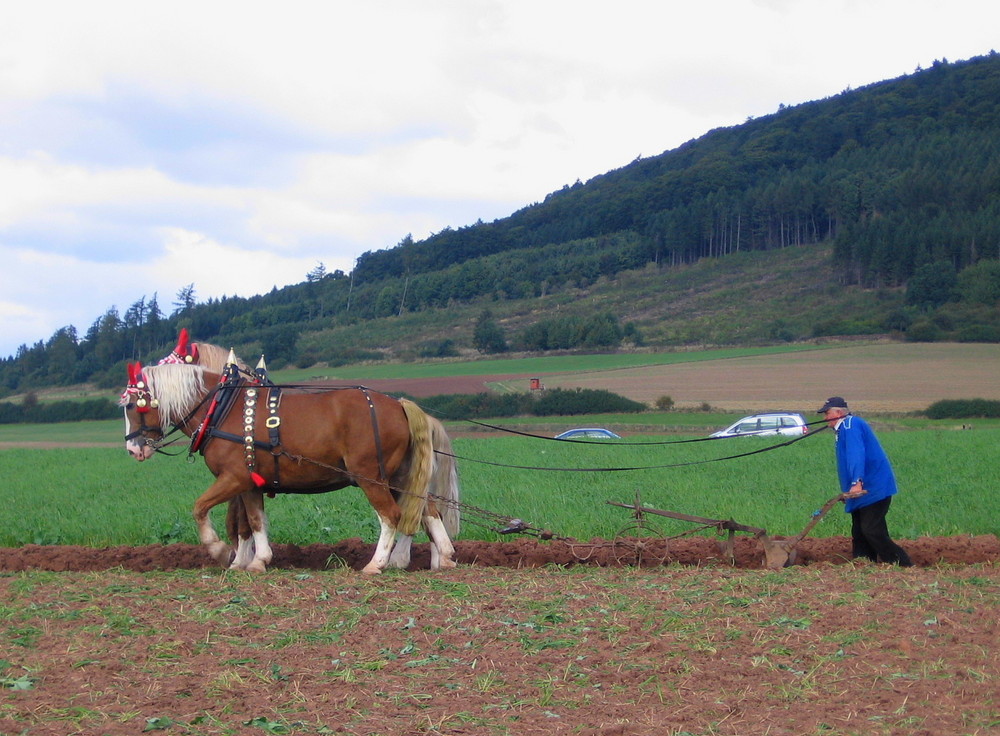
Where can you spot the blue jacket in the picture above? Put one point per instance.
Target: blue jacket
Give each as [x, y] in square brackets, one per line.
[860, 456]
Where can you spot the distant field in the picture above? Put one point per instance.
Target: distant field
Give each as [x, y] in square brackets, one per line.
[875, 378]
[882, 378]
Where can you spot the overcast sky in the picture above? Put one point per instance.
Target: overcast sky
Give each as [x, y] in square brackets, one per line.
[237, 145]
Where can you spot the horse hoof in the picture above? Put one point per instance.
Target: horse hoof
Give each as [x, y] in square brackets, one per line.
[371, 570]
[257, 566]
[220, 552]
[448, 564]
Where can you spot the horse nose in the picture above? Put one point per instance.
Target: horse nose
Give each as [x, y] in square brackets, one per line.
[135, 450]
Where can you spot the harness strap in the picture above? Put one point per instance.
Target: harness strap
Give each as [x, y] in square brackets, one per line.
[238, 438]
[378, 437]
[249, 421]
[273, 423]
[218, 410]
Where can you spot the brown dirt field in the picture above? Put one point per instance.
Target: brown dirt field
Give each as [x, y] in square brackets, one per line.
[525, 637]
[517, 553]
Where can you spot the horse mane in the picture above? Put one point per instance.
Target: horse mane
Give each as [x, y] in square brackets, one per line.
[214, 358]
[177, 388]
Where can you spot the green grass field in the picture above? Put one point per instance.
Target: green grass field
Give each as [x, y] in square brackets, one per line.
[98, 496]
[101, 497]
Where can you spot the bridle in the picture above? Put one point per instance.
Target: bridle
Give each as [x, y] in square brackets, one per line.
[144, 431]
[138, 396]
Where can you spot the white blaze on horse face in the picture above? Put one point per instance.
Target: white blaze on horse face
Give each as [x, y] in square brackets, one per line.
[136, 447]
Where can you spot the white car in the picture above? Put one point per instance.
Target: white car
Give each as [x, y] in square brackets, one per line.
[763, 425]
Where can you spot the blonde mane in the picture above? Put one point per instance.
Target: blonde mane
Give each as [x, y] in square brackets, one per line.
[177, 388]
[214, 358]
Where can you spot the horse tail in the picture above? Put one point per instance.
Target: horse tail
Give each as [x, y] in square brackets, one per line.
[444, 480]
[413, 500]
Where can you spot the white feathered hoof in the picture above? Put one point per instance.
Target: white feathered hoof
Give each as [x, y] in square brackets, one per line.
[220, 552]
[257, 566]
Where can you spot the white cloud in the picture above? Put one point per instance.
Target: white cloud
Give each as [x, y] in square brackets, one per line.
[219, 269]
[135, 135]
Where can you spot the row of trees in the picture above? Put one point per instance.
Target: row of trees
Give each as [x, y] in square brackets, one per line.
[32, 411]
[903, 177]
[910, 148]
[548, 403]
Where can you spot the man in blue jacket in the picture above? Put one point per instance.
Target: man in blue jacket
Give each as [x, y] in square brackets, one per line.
[867, 482]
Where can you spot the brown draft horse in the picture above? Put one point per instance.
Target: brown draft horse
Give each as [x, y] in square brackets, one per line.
[444, 484]
[330, 439]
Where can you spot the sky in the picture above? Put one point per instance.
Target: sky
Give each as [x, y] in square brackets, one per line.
[236, 146]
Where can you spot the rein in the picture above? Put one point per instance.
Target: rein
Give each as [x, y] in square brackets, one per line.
[641, 467]
[522, 433]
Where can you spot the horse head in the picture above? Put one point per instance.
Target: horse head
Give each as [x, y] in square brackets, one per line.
[160, 396]
[142, 429]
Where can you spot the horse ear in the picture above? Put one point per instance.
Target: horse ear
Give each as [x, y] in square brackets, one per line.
[186, 351]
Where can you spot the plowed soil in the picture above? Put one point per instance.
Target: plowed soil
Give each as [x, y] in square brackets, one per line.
[519, 553]
[524, 637]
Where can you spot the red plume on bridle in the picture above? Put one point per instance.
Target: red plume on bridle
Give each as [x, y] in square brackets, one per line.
[185, 352]
[134, 369]
[137, 387]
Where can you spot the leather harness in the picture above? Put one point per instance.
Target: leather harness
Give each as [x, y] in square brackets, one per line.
[223, 403]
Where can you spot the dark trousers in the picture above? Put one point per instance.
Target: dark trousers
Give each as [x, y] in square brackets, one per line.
[871, 535]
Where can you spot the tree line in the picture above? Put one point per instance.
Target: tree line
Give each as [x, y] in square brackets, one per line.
[902, 177]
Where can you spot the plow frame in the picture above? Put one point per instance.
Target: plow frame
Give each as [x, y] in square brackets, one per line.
[778, 552]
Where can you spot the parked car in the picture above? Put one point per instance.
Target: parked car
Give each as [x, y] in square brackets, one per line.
[583, 433]
[763, 425]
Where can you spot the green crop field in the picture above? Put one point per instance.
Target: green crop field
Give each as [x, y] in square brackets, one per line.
[58, 491]
[101, 497]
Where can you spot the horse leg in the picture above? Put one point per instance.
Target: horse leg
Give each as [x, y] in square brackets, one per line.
[254, 550]
[442, 549]
[380, 560]
[238, 530]
[400, 556]
[221, 490]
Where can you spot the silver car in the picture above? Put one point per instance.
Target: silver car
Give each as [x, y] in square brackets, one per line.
[763, 425]
[588, 432]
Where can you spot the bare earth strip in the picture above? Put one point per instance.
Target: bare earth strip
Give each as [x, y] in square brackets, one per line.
[884, 377]
[898, 377]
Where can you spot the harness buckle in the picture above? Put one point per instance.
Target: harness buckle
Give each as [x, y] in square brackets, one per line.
[273, 422]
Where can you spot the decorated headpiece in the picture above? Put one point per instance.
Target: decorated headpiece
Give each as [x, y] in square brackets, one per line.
[186, 352]
[137, 388]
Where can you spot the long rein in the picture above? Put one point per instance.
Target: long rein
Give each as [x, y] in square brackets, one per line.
[500, 523]
[178, 427]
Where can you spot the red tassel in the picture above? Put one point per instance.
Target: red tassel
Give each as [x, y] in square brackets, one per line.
[257, 478]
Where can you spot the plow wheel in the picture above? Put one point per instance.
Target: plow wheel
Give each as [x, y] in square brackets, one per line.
[640, 544]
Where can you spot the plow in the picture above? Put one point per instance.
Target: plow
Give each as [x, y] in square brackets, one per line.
[778, 552]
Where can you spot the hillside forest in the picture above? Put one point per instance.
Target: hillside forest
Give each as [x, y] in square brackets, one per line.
[886, 199]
